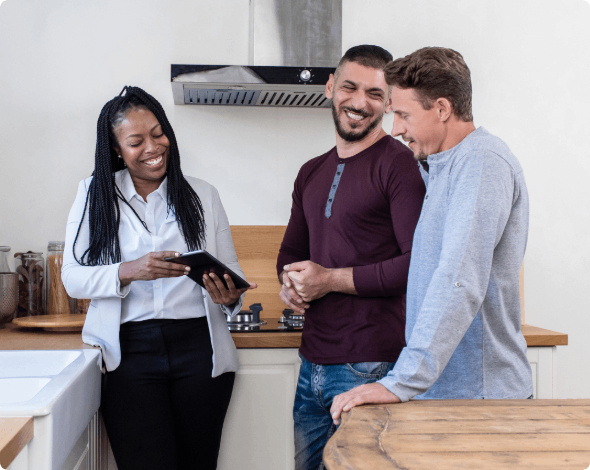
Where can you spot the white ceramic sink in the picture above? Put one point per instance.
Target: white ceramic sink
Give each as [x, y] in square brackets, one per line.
[16, 390]
[35, 363]
[60, 389]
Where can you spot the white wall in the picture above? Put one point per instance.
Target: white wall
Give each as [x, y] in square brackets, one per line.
[61, 60]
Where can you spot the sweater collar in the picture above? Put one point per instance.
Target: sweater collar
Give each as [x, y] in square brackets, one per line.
[437, 161]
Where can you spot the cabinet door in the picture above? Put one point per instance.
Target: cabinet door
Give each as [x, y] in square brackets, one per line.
[79, 456]
[541, 360]
[258, 430]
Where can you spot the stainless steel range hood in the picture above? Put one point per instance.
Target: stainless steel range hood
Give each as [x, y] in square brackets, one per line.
[294, 46]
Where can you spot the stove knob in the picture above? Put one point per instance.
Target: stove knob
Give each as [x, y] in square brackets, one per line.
[305, 75]
[256, 309]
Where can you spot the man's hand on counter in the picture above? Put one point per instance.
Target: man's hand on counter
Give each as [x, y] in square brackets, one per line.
[373, 393]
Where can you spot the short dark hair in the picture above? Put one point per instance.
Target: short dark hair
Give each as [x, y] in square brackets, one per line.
[434, 72]
[366, 55]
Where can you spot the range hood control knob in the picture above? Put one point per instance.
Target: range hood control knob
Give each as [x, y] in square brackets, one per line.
[305, 75]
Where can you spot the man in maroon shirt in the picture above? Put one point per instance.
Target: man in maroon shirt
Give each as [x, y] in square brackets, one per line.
[345, 256]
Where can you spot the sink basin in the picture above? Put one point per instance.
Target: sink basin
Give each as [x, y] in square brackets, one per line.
[60, 389]
[20, 389]
[35, 363]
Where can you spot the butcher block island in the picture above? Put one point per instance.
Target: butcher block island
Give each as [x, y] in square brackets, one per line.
[463, 434]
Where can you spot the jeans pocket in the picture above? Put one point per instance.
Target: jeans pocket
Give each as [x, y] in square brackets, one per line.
[368, 370]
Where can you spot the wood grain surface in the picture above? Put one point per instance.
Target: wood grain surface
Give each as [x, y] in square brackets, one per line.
[66, 322]
[257, 247]
[463, 434]
[15, 434]
[536, 336]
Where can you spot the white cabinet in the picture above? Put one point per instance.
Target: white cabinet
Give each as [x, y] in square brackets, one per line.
[541, 359]
[258, 430]
[90, 450]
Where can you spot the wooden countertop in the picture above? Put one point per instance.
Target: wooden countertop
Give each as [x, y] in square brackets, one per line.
[13, 337]
[541, 337]
[15, 434]
[463, 434]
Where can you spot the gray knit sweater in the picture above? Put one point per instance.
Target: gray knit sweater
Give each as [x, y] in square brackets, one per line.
[463, 301]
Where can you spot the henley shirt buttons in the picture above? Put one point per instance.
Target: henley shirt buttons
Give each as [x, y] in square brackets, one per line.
[457, 284]
[426, 197]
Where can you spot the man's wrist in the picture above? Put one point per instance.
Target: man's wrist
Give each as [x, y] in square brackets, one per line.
[341, 280]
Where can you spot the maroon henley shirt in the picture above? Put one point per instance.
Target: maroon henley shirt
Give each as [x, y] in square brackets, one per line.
[372, 217]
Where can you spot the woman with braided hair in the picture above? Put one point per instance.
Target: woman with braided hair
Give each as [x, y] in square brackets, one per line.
[168, 358]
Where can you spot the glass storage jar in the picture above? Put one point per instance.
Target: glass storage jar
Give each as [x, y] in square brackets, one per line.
[29, 267]
[58, 302]
[8, 288]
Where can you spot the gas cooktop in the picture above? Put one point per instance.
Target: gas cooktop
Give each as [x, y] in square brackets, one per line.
[249, 320]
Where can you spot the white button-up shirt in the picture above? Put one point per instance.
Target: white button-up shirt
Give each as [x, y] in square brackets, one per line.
[169, 297]
[141, 300]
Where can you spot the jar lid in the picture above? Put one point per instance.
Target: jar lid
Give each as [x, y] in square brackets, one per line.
[54, 245]
[5, 248]
[30, 254]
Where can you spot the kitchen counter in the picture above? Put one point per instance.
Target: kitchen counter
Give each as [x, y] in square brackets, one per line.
[15, 434]
[14, 338]
[463, 434]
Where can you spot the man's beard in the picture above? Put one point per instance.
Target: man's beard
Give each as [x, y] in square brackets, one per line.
[421, 156]
[354, 136]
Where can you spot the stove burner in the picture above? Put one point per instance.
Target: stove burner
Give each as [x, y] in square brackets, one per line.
[241, 327]
[246, 320]
[290, 320]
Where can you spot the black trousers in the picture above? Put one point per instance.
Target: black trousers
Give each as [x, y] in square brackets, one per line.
[161, 408]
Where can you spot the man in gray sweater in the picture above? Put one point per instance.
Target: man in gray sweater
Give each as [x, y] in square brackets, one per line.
[463, 301]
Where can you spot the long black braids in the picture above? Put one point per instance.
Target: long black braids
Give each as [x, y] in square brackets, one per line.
[102, 200]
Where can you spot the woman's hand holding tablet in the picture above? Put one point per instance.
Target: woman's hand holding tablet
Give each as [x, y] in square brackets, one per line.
[223, 285]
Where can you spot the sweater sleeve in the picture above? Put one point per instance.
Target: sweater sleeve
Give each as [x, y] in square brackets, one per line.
[479, 204]
[405, 190]
[295, 245]
[86, 282]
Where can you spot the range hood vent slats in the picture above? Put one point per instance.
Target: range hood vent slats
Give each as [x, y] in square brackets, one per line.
[286, 99]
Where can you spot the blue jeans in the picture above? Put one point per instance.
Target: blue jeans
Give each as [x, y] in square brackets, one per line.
[317, 386]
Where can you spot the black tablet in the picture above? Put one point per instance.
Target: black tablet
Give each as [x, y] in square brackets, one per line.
[202, 262]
